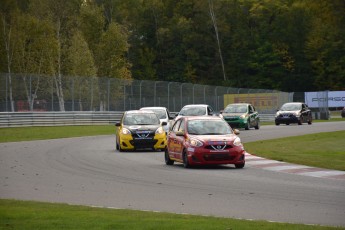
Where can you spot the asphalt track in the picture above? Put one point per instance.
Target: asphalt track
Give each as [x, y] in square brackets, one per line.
[88, 171]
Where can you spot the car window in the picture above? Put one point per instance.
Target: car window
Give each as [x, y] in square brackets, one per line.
[209, 110]
[291, 107]
[176, 126]
[141, 119]
[168, 112]
[161, 114]
[235, 109]
[250, 109]
[181, 128]
[193, 111]
[208, 127]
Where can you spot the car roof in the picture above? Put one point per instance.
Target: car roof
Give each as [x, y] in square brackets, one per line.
[139, 112]
[294, 103]
[202, 118]
[199, 105]
[238, 104]
[154, 107]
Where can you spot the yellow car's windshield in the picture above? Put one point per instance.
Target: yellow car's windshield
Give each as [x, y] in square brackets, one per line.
[141, 119]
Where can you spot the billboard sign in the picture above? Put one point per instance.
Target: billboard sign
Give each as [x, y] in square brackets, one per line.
[262, 101]
[318, 99]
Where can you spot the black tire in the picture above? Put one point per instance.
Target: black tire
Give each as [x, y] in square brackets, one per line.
[239, 166]
[185, 160]
[277, 123]
[247, 126]
[257, 125]
[168, 161]
[118, 146]
[310, 121]
[300, 120]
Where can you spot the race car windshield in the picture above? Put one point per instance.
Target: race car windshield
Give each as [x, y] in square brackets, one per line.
[141, 119]
[291, 107]
[193, 111]
[161, 114]
[236, 109]
[208, 127]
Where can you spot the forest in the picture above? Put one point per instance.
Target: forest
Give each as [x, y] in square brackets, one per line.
[286, 45]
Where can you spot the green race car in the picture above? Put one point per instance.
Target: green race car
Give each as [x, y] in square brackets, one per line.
[241, 115]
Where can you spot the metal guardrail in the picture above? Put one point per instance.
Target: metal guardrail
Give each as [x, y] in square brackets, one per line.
[23, 119]
[267, 117]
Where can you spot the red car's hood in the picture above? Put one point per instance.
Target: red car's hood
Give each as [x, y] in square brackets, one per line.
[215, 138]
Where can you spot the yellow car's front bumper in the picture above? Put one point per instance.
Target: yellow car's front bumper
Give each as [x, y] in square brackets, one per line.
[126, 142]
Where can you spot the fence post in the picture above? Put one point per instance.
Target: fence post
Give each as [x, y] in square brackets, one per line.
[169, 95]
[124, 96]
[72, 88]
[31, 105]
[108, 92]
[140, 92]
[52, 109]
[6, 93]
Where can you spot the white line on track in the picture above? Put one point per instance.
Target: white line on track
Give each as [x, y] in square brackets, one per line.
[278, 166]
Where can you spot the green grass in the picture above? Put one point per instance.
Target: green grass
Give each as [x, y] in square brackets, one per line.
[43, 133]
[314, 121]
[39, 215]
[324, 150]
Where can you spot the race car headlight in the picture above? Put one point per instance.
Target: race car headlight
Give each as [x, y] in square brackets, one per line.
[277, 114]
[125, 131]
[237, 141]
[298, 114]
[159, 130]
[195, 143]
[243, 116]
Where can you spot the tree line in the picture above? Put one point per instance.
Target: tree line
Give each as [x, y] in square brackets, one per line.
[287, 45]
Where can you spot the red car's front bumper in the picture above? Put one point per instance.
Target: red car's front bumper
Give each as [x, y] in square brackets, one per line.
[204, 156]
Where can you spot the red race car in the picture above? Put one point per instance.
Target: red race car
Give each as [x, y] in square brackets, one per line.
[204, 141]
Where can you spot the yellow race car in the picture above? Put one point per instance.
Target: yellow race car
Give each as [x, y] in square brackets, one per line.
[140, 129]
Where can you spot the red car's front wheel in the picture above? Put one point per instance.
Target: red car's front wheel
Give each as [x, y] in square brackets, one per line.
[185, 160]
[168, 161]
[239, 166]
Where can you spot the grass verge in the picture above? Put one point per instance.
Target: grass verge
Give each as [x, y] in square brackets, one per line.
[38, 215]
[15, 134]
[43, 133]
[324, 150]
[314, 121]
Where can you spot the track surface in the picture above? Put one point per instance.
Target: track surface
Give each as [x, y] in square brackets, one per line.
[88, 171]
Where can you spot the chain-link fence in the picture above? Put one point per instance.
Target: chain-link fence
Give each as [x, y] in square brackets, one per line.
[23, 92]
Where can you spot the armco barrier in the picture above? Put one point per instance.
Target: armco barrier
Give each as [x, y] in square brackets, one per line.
[267, 117]
[22, 119]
